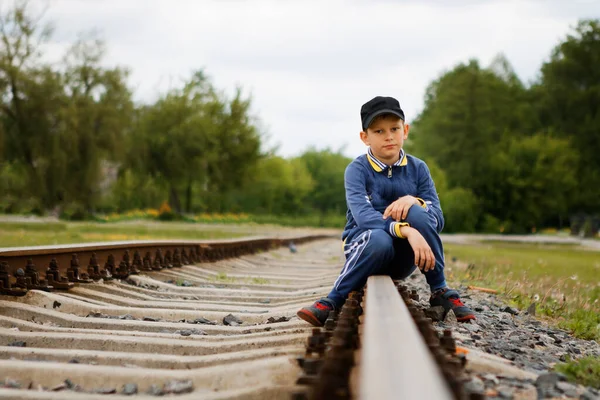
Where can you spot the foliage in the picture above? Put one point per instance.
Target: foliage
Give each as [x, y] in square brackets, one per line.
[583, 323]
[277, 186]
[165, 213]
[326, 167]
[466, 111]
[585, 370]
[528, 156]
[73, 212]
[131, 191]
[59, 124]
[191, 138]
[535, 175]
[458, 204]
[568, 99]
[505, 157]
[460, 210]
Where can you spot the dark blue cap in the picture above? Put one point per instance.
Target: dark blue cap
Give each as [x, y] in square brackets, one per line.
[378, 106]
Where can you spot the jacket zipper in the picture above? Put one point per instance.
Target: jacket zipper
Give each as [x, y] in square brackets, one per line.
[389, 172]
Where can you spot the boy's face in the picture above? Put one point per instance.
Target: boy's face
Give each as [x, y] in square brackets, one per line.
[386, 136]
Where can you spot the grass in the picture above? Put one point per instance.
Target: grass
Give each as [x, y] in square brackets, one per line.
[336, 220]
[561, 245]
[585, 370]
[179, 281]
[222, 277]
[562, 280]
[164, 213]
[260, 281]
[52, 233]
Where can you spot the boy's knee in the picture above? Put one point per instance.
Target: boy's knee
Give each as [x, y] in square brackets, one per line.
[381, 242]
[420, 219]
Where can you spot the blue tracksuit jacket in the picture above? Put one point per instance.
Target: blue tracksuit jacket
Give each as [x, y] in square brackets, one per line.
[371, 186]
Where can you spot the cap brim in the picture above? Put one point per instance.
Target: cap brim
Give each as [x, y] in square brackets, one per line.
[371, 117]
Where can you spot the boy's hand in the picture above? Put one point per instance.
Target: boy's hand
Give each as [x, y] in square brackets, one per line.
[424, 258]
[398, 210]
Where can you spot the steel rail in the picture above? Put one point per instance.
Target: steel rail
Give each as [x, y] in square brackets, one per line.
[80, 262]
[395, 360]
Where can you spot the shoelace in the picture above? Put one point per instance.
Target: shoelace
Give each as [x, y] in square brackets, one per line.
[322, 306]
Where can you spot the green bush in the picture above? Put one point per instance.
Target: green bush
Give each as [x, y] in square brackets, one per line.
[461, 210]
[74, 212]
[491, 224]
[169, 216]
[31, 205]
[8, 204]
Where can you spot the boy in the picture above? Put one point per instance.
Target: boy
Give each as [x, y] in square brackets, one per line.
[394, 216]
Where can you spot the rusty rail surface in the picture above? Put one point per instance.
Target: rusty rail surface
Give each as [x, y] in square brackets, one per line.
[380, 346]
[396, 362]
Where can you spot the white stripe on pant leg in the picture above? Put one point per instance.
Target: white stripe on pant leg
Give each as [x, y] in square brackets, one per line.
[348, 262]
[351, 263]
[353, 260]
[355, 246]
[354, 242]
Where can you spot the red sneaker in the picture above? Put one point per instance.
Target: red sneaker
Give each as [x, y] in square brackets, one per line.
[450, 300]
[317, 313]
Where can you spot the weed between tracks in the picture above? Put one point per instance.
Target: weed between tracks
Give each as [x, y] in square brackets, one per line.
[222, 277]
[562, 280]
[260, 281]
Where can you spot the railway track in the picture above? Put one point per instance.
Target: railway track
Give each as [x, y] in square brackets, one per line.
[211, 320]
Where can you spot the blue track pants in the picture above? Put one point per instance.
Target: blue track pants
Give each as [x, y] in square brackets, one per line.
[375, 252]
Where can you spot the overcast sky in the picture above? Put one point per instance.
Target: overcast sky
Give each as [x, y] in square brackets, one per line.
[310, 65]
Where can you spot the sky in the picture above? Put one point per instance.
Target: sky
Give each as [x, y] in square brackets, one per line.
[310, 65]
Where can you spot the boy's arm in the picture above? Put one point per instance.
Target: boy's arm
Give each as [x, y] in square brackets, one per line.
[362, 210]
[428, 197]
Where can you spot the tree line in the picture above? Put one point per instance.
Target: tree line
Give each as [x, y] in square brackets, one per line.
[72, 139]
[514, 157]
[506, 156]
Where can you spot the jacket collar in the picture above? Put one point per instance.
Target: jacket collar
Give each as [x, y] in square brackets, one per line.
[379, 166]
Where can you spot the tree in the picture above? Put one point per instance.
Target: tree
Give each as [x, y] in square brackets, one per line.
[474, 121]
[237, 149]
[59, 125]
[171, 140]
[467, 111]
[95, 118]
[31, 95]
[326, 168]
[533, 181]
[194, 138]
[277, 187]
[568, 95]
[459, 205]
